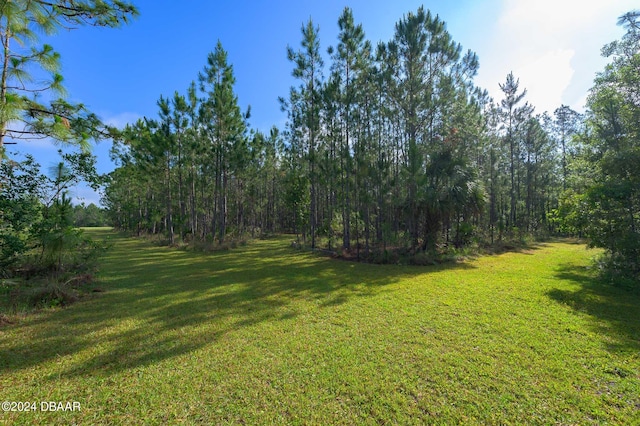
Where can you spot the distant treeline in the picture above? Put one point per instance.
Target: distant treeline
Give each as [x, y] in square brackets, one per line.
[89, 216]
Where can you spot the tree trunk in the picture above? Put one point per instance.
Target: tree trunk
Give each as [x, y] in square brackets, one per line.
[169, 201]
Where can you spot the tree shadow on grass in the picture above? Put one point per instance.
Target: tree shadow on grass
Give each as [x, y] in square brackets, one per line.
[161, 303]
[615, 310]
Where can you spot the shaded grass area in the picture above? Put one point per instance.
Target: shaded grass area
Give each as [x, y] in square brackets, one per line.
[265, 334]
[43, 279]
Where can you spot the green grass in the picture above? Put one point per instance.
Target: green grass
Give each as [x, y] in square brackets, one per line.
[269, 335]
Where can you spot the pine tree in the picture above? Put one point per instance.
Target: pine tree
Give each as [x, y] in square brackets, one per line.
[513, 117]
[165, 143]
[24, 114]
[224, 127]
[348, 65]
[566, 123]
[305, 103]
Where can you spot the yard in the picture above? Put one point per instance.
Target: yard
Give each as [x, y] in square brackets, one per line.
[266, 334]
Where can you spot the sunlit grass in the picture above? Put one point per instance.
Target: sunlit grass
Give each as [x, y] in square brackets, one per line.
[268, 335]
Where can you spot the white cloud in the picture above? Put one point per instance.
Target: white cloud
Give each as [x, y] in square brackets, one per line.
[546, 77]
[120, 120]
[552, 17]
[552, 46]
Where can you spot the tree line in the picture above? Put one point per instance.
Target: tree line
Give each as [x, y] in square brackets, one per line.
[602, 199]
[389, 146]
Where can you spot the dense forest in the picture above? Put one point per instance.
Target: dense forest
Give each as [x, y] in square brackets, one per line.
[387, 149]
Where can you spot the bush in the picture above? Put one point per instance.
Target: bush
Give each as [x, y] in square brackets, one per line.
[615, 270]
[464, 234]
[51, 295]
[43, 293]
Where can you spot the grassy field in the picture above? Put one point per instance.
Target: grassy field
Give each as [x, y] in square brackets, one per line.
[268, 335]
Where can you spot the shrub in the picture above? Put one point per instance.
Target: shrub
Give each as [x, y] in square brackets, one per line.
[615, 269]
[51, 295]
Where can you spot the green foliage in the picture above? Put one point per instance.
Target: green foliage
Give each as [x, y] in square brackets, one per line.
[36, 231]
[609, 210]
[297, 199]
[20, 209]
[50, 295]
[225, 131]
[24, 112]
[37, 234]
[570, 218]
[89, 216]
[465, 233]
[397, 147]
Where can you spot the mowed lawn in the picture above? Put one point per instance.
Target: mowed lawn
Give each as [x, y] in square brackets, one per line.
[265, 334]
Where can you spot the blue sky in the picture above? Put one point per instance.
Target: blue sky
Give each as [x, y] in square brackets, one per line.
[553, 46]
